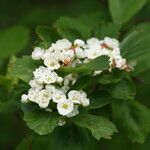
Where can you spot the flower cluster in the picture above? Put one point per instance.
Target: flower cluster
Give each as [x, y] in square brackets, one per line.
[48, 88]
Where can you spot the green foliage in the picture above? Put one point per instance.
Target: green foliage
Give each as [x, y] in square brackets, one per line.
[110, 77]
[13, 40]
[100, 63]
[47, 35]
[115, 88]
[123, 90]
[24, 67]
[122, 11]
[41, 122]
[107, 30]
[132, 118]
[100, 127]
[136, 48]
[72, 29]
[99, 100]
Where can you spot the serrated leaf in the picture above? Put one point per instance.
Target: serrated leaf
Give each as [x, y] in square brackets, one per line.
[24, 67]
[100, 127]
[111, 77]
[71, 28]
[13, 40]
[122, 11]
[82, 82]
[123, 90]
[41, 122]
[100, 63]
[47, 34]
[132, 118]
[136, 48]
[98, 100]
[103, 30]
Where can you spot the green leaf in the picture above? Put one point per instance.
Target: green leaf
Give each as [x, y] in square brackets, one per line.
[123, 90]
[47, 34]
[133, 119]
[107, 30]
[71, 28]
[82, 82]
[24, 67]
[100, 63]
[98, 100]
[13, 40]
[109, 78]
[136, 48]
[100, 127]
[41, 122]
[5, 82]
[122, 11]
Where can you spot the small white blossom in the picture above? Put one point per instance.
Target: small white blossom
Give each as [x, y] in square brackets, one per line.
[44, 98]
[61, 122]
[24, 98]
[63, 44]
[52, 63]
[74, 96]
[112, 43]
[74, 112]
[79, 42]
[37, 53]
[92, 53]
[58, 96]
[35, 84]
[65, 107]
[79, 52]
[50, 88]
[97, 72]
[33, 95]
[60, 79]
[49, 76]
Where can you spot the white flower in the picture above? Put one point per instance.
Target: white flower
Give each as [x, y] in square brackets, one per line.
[111, 42]
[58, 96]
[51, 63]
[65, 107]
[63, 44]
[60, 79]
[44, 98]
[74, 112]
[49, 76]
[38, 74]
[85, 102]
[74, 96]
[50, 88]
[83, 98]
[93, 41]
[65, 89]
[24, 98]
[79, 52]
[35, 84]
[70, 79]
[97, 72]
[79, 42]
[92, 53]
[121, 63]
[37, 53]
[33, 95]
[68, 56]
[61, 122]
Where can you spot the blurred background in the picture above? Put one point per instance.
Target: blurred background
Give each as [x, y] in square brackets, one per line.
[31, 13]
